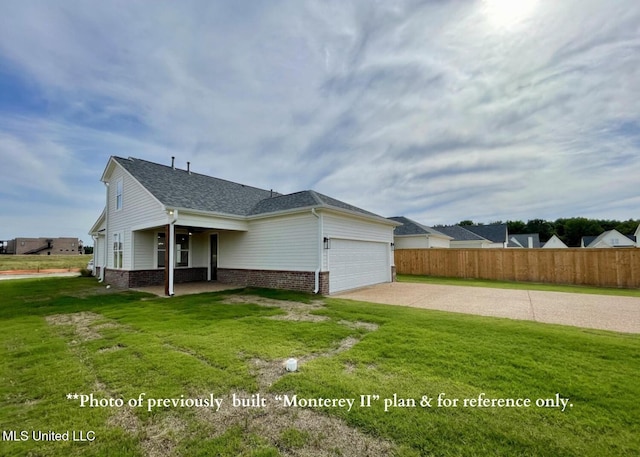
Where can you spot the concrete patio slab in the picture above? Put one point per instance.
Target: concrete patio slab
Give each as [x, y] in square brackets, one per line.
[605, 312]
[190, 288]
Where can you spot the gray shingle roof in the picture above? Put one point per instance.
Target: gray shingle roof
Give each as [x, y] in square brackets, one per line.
[459, 233]
[497, 233]
[411, 227]
[303, 199]
[177, 188]
[180, 189]
[522, 240]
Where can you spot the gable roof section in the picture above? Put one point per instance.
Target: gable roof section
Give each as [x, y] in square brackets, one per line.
[522, 240]
[304, 199]
[410, 227]
[496, 233]
[594, 241]
[459, 233]
[181, 189]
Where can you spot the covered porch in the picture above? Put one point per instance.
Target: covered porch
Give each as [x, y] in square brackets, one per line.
[189, 288]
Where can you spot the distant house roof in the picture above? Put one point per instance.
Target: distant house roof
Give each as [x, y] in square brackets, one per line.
[410, 227]
[459, 233]
[178, 188]
[522, 240]
[587, 240]
[595, 241]
[497, 233]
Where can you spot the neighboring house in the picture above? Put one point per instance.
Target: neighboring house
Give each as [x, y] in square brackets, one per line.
[637, 236]
[413, 235]
[163, 225]
[476, 236]
[44, 246]
[554, 243]
[525, 240]
[608, 239]
[463, 238]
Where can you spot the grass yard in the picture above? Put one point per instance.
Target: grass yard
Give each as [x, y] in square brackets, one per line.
[43, 262]
[519, 285]
[70, 336]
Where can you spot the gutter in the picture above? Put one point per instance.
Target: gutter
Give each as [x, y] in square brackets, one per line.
[320, 245]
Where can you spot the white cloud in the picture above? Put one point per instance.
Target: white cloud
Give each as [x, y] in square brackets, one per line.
[422, 109]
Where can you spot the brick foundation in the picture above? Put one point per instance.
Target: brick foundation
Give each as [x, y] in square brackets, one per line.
[393, 274]
[303, 281]
[125, 279]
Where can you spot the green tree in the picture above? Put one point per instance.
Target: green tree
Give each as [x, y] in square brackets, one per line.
[465, 222]
[516, 227]
[545, 228]
[627, 227]
[577, 227]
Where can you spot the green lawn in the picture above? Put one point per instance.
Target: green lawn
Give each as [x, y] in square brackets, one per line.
[42, 262]
[70, 335]
[519, 285]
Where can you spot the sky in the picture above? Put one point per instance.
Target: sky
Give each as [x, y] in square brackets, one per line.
[437, 110]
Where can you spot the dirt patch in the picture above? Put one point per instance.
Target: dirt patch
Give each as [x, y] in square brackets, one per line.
[269, 371]
[117, 347]
[369, 326]
[326, 435]
[81, 322]
[161, 435]
[295, 311]
[86, 325]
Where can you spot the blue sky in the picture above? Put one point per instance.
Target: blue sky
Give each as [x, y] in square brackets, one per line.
[437, 110]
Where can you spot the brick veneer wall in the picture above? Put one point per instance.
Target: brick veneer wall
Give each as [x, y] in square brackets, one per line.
[125, 279]
[303, 281]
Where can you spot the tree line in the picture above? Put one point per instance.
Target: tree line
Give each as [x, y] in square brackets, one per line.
[569, 230]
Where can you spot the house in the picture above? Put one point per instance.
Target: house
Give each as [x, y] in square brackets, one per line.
[476, 236]
[163, 225]
[524, 240]
[608, 239]
[554, 243]
[413, 235]
[637, 236]
[44, 246]
[463, 238]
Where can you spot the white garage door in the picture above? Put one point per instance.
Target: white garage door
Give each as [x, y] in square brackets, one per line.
[355, 264]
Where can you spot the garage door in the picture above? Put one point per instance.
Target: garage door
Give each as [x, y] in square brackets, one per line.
[355, 264]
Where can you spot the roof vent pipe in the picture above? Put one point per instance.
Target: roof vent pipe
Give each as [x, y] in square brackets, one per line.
[173, 162]
[189, 167]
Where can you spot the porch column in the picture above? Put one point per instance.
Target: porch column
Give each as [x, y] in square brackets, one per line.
[166, 259]
[170, 247]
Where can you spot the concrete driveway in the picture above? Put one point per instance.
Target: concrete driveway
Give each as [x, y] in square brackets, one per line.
[620, 314]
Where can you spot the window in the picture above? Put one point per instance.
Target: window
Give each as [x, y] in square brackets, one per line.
[615, 241]
[119, 186]
[117, 250]
[162, 248]
[182, 250]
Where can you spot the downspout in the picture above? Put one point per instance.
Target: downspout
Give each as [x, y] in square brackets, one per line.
[95, 248]
[170, 247]
[106, 235]
[320, 244]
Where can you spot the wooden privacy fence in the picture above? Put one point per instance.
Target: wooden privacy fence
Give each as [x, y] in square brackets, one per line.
[596, 267]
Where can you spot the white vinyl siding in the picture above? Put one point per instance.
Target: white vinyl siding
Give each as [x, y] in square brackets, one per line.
[420, 242]
[279, 243]
[143, 243]
[140, 208]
